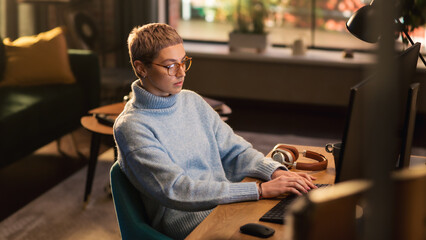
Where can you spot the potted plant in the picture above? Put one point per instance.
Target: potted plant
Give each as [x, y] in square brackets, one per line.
[249, 26]
[413, 13]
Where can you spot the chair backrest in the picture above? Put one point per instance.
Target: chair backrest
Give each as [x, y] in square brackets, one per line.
[410, 201]
[129, 208]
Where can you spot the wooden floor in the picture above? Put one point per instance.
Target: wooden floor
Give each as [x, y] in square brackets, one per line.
[28, 178]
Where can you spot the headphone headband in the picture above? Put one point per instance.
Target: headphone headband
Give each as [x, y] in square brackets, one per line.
[288, 156]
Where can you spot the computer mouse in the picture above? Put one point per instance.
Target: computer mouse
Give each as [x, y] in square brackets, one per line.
[257, 230]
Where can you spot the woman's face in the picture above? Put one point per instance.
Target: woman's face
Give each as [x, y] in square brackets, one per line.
[157, 79]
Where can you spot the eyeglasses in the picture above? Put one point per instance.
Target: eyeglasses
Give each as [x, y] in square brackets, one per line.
[173, 69]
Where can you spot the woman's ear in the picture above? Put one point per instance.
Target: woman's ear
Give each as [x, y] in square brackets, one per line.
[140, 68]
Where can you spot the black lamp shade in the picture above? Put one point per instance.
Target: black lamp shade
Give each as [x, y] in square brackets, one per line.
[358, 24]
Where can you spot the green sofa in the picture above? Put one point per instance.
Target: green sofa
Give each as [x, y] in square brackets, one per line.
[31, 117]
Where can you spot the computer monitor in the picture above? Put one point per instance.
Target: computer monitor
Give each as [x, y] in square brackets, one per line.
[357, 147]
[408, 128]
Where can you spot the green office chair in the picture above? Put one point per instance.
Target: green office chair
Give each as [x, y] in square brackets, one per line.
[129, 208]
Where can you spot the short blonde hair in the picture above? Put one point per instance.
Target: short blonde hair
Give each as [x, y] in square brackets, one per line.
[145, 42]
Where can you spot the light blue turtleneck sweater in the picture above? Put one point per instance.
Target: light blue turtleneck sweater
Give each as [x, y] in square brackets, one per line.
[184, 159]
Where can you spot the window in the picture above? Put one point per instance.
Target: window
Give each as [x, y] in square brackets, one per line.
[319, 23]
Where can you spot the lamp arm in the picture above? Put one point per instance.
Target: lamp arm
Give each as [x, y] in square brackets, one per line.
[411, 41]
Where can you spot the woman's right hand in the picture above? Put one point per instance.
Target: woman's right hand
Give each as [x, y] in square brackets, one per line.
[284, 184]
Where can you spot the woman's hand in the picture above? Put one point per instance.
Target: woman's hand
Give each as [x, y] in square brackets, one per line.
[287, 182]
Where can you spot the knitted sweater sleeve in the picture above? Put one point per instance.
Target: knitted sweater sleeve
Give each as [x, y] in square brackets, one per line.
[238, 156]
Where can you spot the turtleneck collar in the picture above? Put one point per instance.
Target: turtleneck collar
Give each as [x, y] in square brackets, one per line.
[147, 100]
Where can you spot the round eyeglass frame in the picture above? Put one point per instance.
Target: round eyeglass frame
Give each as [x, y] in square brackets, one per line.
[177, 65]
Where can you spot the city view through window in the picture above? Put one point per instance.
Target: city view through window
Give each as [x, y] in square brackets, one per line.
[319, 23]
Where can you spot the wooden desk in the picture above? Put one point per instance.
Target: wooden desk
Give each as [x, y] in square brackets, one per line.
[225, 220]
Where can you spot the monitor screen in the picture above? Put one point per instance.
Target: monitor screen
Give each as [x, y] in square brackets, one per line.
[358, 141]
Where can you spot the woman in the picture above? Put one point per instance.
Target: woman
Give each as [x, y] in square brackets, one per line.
[176, 150]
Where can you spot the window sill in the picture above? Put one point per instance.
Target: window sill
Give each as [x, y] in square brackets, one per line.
[284, 55]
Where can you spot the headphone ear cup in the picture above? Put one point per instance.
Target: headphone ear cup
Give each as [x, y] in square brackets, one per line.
[278, 156]
[292, 149]
[284, 156]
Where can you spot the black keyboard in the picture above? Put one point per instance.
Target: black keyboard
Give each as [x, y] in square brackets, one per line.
[276, 214]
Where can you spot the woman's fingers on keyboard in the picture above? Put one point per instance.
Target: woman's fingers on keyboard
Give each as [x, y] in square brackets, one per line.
[303, 186]
[304, 181]
[295, 183]
[294, 187]
[306, 176]
[311, 185]
[307, 179]
[294, 191]
[282, 185]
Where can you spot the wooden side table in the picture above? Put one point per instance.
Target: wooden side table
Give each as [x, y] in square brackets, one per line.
[98, 129]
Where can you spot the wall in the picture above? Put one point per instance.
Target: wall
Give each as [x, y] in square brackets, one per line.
[285, 82]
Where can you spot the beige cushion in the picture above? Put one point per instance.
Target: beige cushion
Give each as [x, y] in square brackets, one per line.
[37, 60]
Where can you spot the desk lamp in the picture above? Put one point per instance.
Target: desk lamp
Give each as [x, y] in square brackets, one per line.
[357, 22]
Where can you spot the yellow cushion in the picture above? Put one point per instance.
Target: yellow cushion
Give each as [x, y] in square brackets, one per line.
[36, 60]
